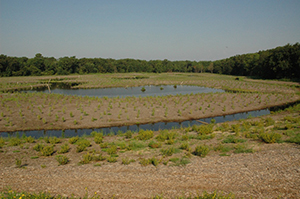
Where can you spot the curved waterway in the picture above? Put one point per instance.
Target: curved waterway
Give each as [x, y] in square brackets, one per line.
[132, 91]
[123, 129]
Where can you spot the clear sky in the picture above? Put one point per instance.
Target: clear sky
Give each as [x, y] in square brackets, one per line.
[146, 29]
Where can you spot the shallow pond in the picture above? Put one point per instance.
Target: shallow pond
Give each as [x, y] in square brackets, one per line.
[132, 91]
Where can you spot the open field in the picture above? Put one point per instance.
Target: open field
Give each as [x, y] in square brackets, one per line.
[20, 111]
[256, 157]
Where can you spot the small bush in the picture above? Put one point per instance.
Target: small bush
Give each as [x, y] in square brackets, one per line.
[168, 151]
[73, 140]
[14, 141]
[80, 148]
[223, 148]
[111, 159]
[241, 148]
[47, 150]
[54, 140]
[62, 160]
[2, 142]
[84, 142]
[179, 161]
[145, 135]
[29, 139]
[64, 148]
[134, 145]
[112, 150]
[18, 163]
[201, 150]
[104, 145]
[38, 147]
[144, 161]
[86, 158]
[203, 129]
[232, 139]
[99, 157]
[270, 137]
[127, 161]
[98, 139]
[269, 121]
[128, 134]
[295, 139]
[235, 128]
[185, 137]
[153, 144]
[153, 161]
[185, 146]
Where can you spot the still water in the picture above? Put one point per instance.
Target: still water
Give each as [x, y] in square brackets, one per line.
[132, 91]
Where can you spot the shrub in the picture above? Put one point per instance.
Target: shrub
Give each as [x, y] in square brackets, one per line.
[54, 140]
[29, 139]
[62, 160]
[168, 151]
[14, 141]
[98, 158]
[97, 134]
[86, 158]
[128, 134]
[112, 150]
[2, 142]
[64, 148]
[73, 140]
[153, 161]
[179, 161]
[18, 163]
[111, 159]
[269, 121]
[47, 150]
[185, 137]
[134, 145]
[185, 146]
[98, 139]
[201, 150]
[84, 142]
[270, 137]
[232, 139]
[225, 127]
[127, 161]
[80, 148]
[153, 144]
[144, 161]
[222, 148]
[295, 139]
[145, 135]
[38, 147]
[241, 148]
[235, 128]
[203, 129]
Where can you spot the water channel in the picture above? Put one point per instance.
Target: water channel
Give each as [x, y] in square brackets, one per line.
[134, 91]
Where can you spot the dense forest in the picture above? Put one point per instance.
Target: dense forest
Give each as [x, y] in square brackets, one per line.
[278, 63]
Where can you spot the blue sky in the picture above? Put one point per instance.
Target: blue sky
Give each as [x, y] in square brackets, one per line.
[146, 29]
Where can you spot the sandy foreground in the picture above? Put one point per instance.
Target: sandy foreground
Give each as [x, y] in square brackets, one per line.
[273, 171]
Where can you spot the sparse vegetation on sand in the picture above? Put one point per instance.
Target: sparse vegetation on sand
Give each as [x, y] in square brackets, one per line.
[159, 164]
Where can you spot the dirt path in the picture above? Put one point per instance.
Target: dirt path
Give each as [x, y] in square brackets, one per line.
[271, 172]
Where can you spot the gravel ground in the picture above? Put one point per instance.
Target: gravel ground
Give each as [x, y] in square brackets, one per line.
[272, 171]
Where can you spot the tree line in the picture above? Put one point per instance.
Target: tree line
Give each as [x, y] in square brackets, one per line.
[277, 63]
